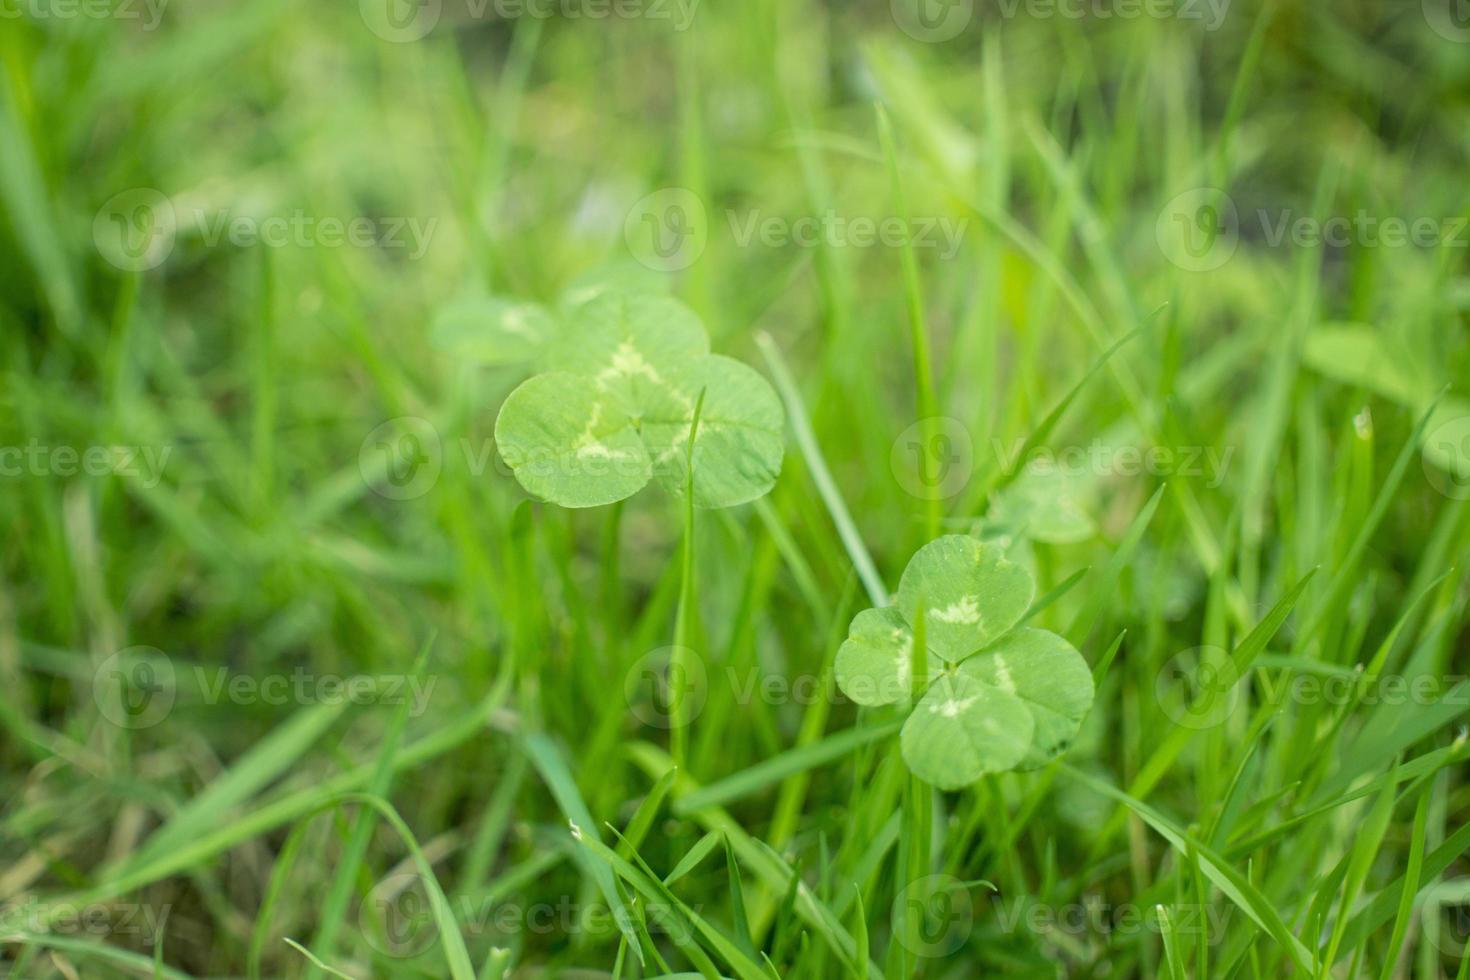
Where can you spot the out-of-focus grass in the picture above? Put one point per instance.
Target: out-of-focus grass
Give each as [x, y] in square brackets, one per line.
[238, 558]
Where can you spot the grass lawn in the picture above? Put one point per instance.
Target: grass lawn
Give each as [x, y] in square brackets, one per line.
[758, 489]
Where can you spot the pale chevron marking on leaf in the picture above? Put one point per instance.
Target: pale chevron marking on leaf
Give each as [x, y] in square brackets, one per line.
[1003, 678]
[952, 707]
[627, 362]
[588, 445]
[905, 656]
[966, 611]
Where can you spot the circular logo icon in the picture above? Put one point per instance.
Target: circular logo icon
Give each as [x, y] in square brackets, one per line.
[401, 459]
[134, 230]
[932, 21]
[933, 459]
[667, 230]
[1198, 230]
[397, 918]
[1450, 19]
[1446, 917]
[663, 682]
[1198, 688]
[1446, 457]
[400, 21]
[136, 687]
[941, 909]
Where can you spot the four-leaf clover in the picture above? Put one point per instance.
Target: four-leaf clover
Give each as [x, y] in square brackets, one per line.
[997, 697]
[617, 404]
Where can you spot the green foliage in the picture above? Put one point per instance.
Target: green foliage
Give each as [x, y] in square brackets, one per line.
[616, 406]
[999, 698]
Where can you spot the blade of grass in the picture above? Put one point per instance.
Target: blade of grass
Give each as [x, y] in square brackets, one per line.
[806, 440]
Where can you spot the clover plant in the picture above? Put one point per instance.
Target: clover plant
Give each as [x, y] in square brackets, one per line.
[1045, 504]
[614, 405]
[997, 696]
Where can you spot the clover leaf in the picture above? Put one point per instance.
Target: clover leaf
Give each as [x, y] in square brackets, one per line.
[497, 331]
[1046, 504]
[492, 330]
[616, 408]
[998, 697]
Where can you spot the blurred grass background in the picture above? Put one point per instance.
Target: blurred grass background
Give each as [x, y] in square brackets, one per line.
[519, 146]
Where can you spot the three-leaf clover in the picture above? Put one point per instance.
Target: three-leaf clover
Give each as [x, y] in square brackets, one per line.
[616, 406]
[997, 697]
